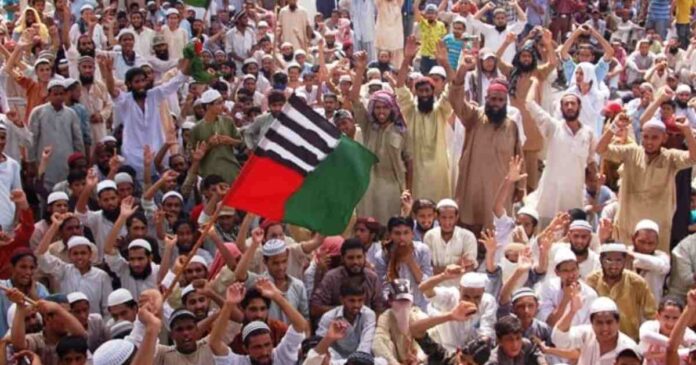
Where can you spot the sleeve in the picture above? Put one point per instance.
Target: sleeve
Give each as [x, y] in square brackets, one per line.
[106, 290]
[23, 134]
[488, 319]
[445, 298]
[35, 128]
[618, 153]
[289, 346]
[470, 245]
[682, 266]
[52, 265]
[117, 264]
[78, 143]
[436, 353]
[230, 359]
[504, 227]
[163, 91]
[368, 333]
[659, 263]
[108, 106]
[303, 306]
[570, 339]
[542, 117]
[649, 305]
[601, 69]
[568, 68]
[680, 159]
[444, 106]
[517, 27]
[321, 295]
[378, 297]
[405, 100]
[546, 303]
[382, 345]
[464, 110]
[25, 230]
[426, 262]
[360, 115]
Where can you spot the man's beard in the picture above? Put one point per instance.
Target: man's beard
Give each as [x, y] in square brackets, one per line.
[147, 271]
[526, 68]
[86, 80]
[287, 58]
[500, 28]
[139, 94]
[402, 314]
[292, 7]
[426, 105]
[137, 27]
[570, 117]
[111, 214]
[674, 50]
[330, 45]
[496, 116]
[34, 328]
[162, 55]
[423, 229]
[579, 251]
[681, 104]
[356, 273]
[184, 249]
[88, 52]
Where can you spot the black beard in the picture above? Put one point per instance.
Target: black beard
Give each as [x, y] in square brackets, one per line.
[292, 7]
[426, 105]
[570, 117]
[139, 94]
[143, 275]
[184, 250]
[34, 328]
[163, 55]
[674, 50]
[137, 27]
[330, 45]
[288, 58]
[526, 68]
[496, 116]
[681, 104]
[111, 215]
[500, 28]
[86, 80]
[353, 274]
[580, 252]
[88, 52]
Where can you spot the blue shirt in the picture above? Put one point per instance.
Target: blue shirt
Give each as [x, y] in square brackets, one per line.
[659, 10]
[10, 14]
[534, 18]
[83, 114]
[601, 69]
[454, 49]
[5, 303]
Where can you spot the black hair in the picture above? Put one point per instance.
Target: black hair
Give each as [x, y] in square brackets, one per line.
[422, 204]
[181, 222]
[351, 288]
[280, 78]
[351, 244]
[75, 176]
[251, 294]
[68, 344]
[670, 300]
[254, 333]
[399, 221]
[210, 181]
[508, 325]
[330, 95]
[577, 214]
[276, 96]
[138, 215]
[220, 86]
[669, 102]
[132, 73]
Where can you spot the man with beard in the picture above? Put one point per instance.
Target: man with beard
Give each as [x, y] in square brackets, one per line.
[327, 293]
[95, 97]
[253, 133]
[628, 289]
[23, 265]
[293, 22]
[579, 241]
[143, 35]
[426, 119]
[526, 67]
[198, 301]
[383, 61]
[78, 275]
[73, 91]
[256, 335]
[556, 293]
[251, 67]
[496, 33]
[139, 109]
[159, 57]
[102, 221]
[492, 140]
[683, 95]
[562, 184]
[240, 41]
[137, 273]
[128, 57]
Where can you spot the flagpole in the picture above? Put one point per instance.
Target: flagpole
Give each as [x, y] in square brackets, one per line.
[196, 246]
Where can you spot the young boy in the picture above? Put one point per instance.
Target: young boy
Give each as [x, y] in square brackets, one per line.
[512, 347]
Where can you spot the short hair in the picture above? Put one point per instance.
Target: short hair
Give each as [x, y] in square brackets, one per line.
[211, 180]
[577, 214]
[132, 73]
[508, 325]
[68, 344]
[351, 244]
[399, 221]
[422, 204]
[181, 222]
[139, 215]
[330, 95]
[669, 102]
[670, 300]
[276, 96]
[75, 176]
[351, 288]
[280, 78]
[251, 294]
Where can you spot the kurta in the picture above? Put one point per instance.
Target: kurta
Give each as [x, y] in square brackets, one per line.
[488, 149]
[388, 175]
[293, 25]
[647, 189]
[426, 133]
[220, 159]
[389, 28]
[59, 129]
[562, 184]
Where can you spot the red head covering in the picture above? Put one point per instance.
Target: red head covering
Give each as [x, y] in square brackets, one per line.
[267, 224]
[219, 262]
[499, 86]
[612, 108]
[332, 246]
[369, 222]
[74, 157]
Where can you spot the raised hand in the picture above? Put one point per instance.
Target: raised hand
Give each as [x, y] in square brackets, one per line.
[148, 318]
[148, 155]
[683, 124]
[170, 240]
[605, 230]
[515, 169]
[360, 58]
[441, 52]
[267, 288]
[200, 151]
[47, 153]
[510, 37]
[235, 293]
[691, 298]
[257, 236]
[411, 47]
[453, 271]
[58, 219]
[468, 63]
[13, 116]
[128, 206]
[337, 330]
[524, 260]
[406, 202]
[92, 177]
[18, 197]
[463, 311]
[488, 240]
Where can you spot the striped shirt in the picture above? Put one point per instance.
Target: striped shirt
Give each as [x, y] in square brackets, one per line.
[659, 10]
[454, 48]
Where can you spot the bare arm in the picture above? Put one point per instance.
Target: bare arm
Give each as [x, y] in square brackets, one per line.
[360, 66]
[569, 43]
[241, 272]
[105, 66]
[270, 291]
[606, 46]
[410, 51]
[677, 336]
[244, 232]
[148, 347]
[428, 286]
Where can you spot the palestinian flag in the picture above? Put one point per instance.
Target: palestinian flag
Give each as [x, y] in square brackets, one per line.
[304, 172]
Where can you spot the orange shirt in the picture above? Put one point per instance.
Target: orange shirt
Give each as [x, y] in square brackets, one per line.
[36, 94]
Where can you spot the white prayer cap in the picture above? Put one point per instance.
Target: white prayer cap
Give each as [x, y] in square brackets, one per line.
[56, 196]
[254, 326]
[125, 31]
[293, 65]
[113, 352]
[119, 296]
[274, 247]
[345, 78]
[300, 52]
[76, 297]
[139, 242]
[563, 255]
[123, 177]
[75, 241]
[250, 60]
[656, 124]
[210, 96]
[580, 224]
[197, 102]
[86, 7]
[106, 184]
[172, 193]
[40, 61]
[121, 328]
[523, 292]
[447, 203]
[199, 260]
[613, 247]
[473, 280]
[439, 71]
[70, 82]
[683, 88]
[603, 304]
[180, 313]
[187, 125]
[109, 139]
[647, 224]
[459, 19]
[187, 290]
[171, 11]
[530, 212]
[55, 83]
[262, 24]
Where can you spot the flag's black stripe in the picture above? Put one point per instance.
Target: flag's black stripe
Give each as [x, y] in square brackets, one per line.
[279, 159]
[298, 151]
[308, 135]
[313, 116]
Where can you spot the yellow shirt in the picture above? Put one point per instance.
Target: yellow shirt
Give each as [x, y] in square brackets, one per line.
[632, 295]
[683, 10]
[430, 35]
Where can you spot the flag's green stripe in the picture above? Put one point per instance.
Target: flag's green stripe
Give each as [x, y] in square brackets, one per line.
[326, 200]
[198, 3]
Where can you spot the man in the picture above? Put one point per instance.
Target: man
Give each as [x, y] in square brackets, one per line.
[676, 338]
[556, 293]
[512, 347]
[293, 22]
[427, 117]
[95, 97]
[585, 53]
[431, 32]
[404, 258]
[648, 170]
[448, 243]
[454, 41]
[363, 15]
[639, 62]
[524, 304]
[240, 41]
[188, 341]
[52, 124]
[139, 109]
[360, 319]
[444, 299]
[494, 138]
[220, 136]
[562, 183]
[73, 91]
[24, 266]
[102, 221]
[579, 241]
[254, 132]
[175, 36]
[626, 288]
[128, 57]
[682, 276]
[72, 350]
[159, 57]
[353, 268]
[97, 332]
[600, 341]
[122, 306]
[495, 33]
[9, 181]
[143, 34]
[652, 264]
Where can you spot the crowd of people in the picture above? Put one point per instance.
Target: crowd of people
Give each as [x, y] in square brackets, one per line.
[532, 202]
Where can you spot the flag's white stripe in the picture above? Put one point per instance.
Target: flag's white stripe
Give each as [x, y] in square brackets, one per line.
[269, 145]
[297, 140]
[306, 123]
